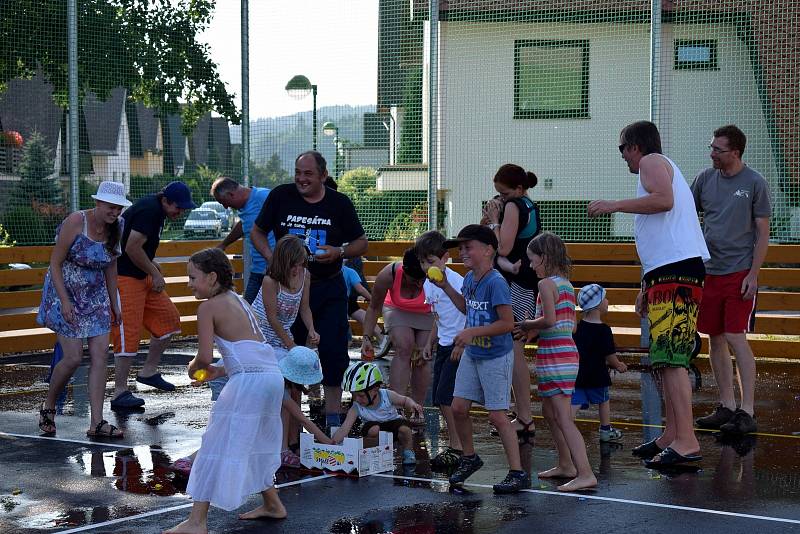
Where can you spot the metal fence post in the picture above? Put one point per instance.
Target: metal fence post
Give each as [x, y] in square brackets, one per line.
[72, 67]
[245, 93]
[433, 110]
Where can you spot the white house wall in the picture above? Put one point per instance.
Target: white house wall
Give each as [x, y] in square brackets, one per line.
[577, 159]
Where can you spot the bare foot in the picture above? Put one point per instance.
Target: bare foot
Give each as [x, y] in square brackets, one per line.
[559, 472]
[579, 484]
[262, 512]
[188, 527]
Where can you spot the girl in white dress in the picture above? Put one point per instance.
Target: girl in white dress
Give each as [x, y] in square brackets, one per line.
[240, 451]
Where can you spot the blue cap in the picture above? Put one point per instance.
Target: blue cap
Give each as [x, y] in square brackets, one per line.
[179, 193]
[301, 366]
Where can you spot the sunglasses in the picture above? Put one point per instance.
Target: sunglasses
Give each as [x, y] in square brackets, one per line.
[622, 147]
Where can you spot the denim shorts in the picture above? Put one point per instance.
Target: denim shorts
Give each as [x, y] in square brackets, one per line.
[485, 381]
[583, 397]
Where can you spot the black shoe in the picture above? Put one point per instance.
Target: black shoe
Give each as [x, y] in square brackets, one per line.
[647, 450]
[715, 420]
[126, 401]
[467, 466]
[514, 482]
[447, 460]
[156, 381]
[741, 423]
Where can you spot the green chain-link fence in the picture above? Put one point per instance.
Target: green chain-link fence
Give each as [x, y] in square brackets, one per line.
[546, 84]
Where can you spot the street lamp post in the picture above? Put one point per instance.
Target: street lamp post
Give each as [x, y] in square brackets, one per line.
[299, 87]
[330, 128]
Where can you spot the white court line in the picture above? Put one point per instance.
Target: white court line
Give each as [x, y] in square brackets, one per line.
[613, 499]
[173, 508]
[81, 442]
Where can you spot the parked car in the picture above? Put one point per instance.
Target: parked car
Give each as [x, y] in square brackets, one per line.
[224, 214]
[202, 223]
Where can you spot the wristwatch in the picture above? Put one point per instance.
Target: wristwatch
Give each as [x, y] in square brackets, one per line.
[492, 226]
[341, 252]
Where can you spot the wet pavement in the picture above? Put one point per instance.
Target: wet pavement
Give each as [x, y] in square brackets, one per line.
[70, 484]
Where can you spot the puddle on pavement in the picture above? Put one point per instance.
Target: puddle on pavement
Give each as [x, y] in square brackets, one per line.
[463, 517]
[141, 470]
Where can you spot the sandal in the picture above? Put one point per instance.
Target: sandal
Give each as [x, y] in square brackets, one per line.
[290, 459]
[47, 423]
[669, 457]
[525, 432]
[98, 432]
[647, 450]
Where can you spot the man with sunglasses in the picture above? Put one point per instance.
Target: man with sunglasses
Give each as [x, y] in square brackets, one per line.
[670, 245]
[736, 208]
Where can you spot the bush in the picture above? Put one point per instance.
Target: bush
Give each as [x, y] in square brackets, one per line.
[26, 226]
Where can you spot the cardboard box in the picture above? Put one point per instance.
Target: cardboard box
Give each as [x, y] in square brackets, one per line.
[349, 457]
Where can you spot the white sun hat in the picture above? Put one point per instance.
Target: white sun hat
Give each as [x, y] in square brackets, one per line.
[113, 193]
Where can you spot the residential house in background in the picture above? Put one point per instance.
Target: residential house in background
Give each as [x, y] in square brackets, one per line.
[109, 137]
[210, 144]
[146, 139]
[712, 73]
[27, 106]
[176, 146]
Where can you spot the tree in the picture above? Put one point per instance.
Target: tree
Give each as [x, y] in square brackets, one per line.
[38, 184]
[149, 47]
[270, 175]
[37, 206]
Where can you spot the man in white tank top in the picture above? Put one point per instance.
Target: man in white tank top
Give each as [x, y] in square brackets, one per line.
[672, 250]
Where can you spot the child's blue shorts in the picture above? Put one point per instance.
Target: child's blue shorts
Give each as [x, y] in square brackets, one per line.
[583, 397]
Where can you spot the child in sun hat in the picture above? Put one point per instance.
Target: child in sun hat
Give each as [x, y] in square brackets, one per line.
[597, 352]
[300, 368]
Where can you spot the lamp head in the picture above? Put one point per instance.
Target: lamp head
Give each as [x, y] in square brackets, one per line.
[298, 87]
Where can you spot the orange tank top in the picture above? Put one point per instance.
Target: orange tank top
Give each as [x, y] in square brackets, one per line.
[395, 300]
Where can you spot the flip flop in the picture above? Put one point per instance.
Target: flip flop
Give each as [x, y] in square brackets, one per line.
[647, 450]
[669, 457]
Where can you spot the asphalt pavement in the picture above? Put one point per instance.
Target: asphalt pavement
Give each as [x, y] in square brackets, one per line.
[72, 484]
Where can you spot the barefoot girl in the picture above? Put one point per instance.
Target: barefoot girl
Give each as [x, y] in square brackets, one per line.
[240, 451]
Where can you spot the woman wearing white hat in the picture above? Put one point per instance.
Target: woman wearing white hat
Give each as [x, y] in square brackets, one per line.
[79, 300]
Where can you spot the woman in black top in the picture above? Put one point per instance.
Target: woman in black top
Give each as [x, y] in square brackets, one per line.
[515, 219]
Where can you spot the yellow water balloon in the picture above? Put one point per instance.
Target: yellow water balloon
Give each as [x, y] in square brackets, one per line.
[200, 375]
[435, 274]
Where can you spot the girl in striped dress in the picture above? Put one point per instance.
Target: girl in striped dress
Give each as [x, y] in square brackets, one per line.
[557, 359]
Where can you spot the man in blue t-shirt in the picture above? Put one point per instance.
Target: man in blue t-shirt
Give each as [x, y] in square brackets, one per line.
[247, 201]
[327, 222]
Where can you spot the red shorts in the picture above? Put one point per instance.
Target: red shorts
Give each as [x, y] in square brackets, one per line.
[142, 308]
[723, 310]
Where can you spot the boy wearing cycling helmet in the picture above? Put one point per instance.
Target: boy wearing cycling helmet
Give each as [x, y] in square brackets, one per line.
[377, 408]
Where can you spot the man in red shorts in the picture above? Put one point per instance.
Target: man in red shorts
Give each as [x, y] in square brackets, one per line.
[144, 303]
[735, 202]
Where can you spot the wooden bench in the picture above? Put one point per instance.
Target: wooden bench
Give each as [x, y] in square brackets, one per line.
[614, 265]
[20, 291]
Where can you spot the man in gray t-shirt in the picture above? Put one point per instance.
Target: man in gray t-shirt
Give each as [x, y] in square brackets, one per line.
[736, 208]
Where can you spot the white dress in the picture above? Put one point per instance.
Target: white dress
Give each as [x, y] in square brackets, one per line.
[241, 448]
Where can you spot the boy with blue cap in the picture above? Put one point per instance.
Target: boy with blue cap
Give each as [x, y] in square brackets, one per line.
[595, 343]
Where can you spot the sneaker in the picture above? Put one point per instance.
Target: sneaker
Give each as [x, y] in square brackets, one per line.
[409, 458]
[466, 467]
[612, 434]
[741, 423]
[289, 459]
[447, 460]
[715, 420]
[513, 483]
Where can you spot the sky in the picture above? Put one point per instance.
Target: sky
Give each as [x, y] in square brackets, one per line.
[332, 42]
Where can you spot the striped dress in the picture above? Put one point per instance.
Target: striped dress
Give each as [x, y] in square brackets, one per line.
[557, 356]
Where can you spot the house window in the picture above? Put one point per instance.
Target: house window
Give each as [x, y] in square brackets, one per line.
[695, 55]
[551, 79]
